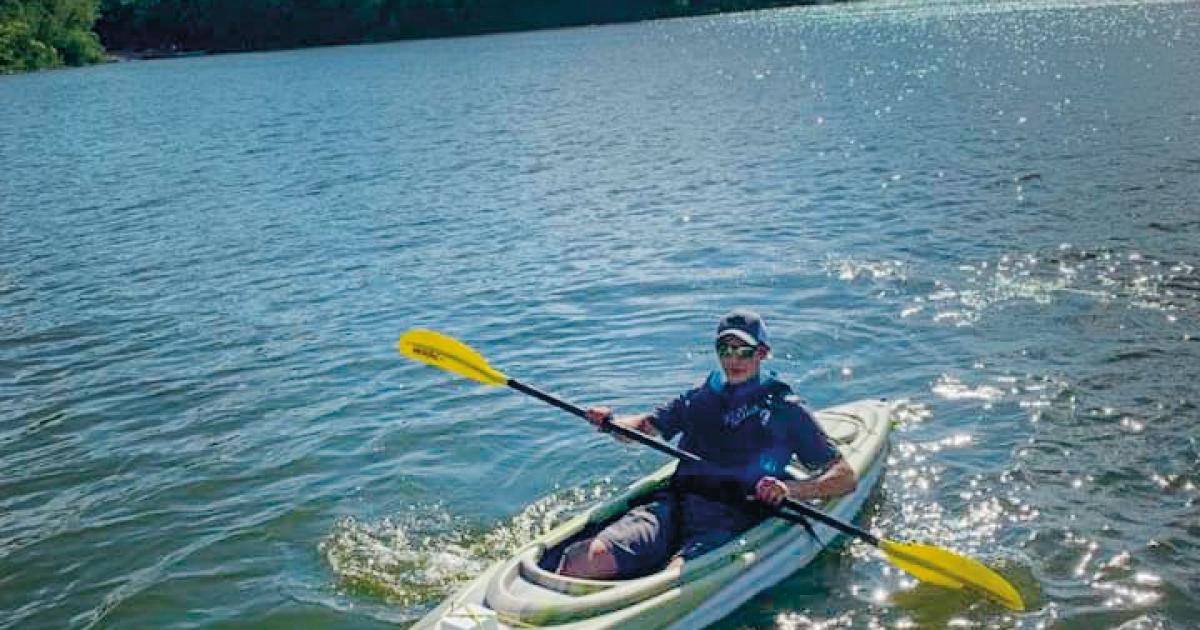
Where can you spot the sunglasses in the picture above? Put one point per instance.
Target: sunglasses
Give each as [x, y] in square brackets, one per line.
[741, 352]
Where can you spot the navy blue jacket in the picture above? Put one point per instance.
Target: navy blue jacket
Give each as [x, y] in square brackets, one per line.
[743, 432]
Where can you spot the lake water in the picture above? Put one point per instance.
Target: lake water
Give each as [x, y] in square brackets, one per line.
[988, 209]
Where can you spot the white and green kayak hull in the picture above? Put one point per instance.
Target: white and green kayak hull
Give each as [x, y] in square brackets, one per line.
[517, 593]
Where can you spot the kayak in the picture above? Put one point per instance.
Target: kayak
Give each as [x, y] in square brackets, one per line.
[519, 593]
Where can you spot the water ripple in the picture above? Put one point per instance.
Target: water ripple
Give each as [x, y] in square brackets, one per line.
[968, 205]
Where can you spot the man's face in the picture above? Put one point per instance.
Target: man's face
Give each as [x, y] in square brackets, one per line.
[739, 360]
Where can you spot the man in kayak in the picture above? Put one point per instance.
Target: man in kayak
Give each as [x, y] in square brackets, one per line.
[747, 426]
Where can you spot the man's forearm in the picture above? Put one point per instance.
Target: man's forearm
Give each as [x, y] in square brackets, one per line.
[839, 479]
[640, 423]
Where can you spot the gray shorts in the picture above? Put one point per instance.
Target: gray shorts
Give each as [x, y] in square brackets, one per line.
[646, 537]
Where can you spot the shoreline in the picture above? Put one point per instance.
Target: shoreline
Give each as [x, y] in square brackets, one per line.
[123, 56]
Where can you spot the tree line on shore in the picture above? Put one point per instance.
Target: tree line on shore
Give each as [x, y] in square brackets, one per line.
[45, 33]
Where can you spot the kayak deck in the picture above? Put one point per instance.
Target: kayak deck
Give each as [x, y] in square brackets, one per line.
[517, 592]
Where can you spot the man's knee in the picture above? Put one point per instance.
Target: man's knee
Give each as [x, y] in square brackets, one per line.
[592, 558]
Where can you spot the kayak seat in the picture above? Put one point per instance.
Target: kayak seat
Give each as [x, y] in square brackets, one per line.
[532, 571]
[548, 558]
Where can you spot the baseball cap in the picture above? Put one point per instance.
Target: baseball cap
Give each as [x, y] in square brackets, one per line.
[745, 325]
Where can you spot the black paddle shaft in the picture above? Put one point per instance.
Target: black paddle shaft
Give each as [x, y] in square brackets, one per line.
[683, 455]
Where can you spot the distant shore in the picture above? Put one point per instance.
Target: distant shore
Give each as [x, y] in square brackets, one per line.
[138, 30]
[121, 56]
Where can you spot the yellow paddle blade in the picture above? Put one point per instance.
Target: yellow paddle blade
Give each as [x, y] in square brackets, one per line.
[946, 568]
[450, 354]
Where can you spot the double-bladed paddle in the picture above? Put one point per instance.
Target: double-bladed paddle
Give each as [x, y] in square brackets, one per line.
[927, 563]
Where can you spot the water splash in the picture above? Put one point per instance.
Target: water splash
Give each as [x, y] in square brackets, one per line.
[416, 558]
[408, 559]
[952, 388]
[797, 621]
[850, 270]
[907, 413]
[1100, 277]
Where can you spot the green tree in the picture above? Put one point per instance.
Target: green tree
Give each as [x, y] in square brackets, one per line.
[38, 34]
